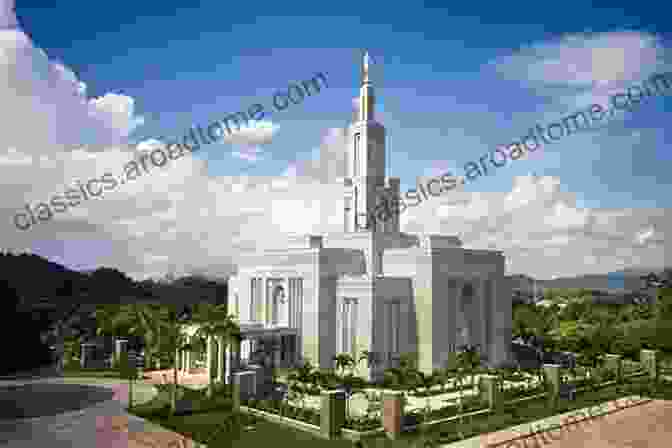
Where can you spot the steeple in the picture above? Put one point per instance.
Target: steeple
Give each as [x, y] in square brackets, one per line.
[366, 96]
[366, 184]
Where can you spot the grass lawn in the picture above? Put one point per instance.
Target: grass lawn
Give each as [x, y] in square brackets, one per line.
[211, 426]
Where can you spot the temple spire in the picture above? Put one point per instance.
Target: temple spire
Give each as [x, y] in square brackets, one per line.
[365, 68]
[366, 97]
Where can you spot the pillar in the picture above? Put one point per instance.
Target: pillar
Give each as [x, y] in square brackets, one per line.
[332, 413]
[552, 373]
[482, 318]
[227, 364]
[232, 359]
[244, 385]
[649, 361]
[208, 356]
[393, 411]
[220, 359]
[614, 363]
[459, 284]
[120, 346]
[84, 355]
[490, 391]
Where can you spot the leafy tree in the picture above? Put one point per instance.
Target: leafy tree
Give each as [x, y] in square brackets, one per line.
[214, 321]
[664, 304]
[344, 361]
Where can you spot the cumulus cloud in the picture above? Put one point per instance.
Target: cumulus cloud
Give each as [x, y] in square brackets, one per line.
[180, 219]
[47, 105]
[543, 233]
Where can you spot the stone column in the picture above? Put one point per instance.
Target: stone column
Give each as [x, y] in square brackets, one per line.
[245, 383]
[552, 373]
[84, 348]
[614, 363]
[490, 391]
[232, 359]
[227, 364]
[220, 359]
[120, 346]
[459, 284]
[452, 315]
[649, 361]
[208, 356]
[264, 298]
[393, 412]
[332, 413]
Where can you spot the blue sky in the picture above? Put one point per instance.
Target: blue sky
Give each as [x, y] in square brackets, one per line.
[452, 83]
[189, 64]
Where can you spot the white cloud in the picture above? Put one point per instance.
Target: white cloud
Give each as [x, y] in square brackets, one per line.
[179, 219]
[46, 103]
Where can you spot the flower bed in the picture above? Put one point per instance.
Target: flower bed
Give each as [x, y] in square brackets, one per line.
[363, 423]
[514, 392]
[471, 404]
[307, 415]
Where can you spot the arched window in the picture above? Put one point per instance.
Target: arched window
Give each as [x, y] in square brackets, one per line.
[278, 298]
[467, 295]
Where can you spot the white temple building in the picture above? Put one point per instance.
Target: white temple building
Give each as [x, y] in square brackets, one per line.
[372, 287]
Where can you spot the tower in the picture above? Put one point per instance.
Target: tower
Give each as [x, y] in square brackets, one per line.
[367, 188]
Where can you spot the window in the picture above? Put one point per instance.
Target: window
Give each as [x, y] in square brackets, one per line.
[295, 302]
[355, 168]
[255, 298]
[348, 325]
[380, 263]
[278, 300]
[393, 311]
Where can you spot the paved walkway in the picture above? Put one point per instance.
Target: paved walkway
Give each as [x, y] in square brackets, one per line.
[79, 412]
[620, 423]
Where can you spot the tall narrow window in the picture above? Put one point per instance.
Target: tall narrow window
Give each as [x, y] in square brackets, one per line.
[295, 301]
[348, 325]
[255, 298]
[393, 316]
[379, 268]
[355, 168]
[396, 314]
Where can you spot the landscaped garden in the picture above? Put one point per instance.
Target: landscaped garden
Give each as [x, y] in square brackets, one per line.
[450, 403]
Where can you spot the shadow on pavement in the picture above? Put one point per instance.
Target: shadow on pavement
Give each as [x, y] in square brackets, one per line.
[47, 399]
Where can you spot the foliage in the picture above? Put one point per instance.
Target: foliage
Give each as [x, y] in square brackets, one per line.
[307, 414]
[214, 321]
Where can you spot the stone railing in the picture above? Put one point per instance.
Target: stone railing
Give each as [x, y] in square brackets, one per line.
[332, 414]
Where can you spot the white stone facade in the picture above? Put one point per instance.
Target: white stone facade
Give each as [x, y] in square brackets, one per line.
[373, 287]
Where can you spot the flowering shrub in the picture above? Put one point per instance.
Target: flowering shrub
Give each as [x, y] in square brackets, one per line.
[363, 423]
[306, 415]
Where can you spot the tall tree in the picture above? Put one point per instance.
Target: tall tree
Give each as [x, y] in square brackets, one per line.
[214, 321]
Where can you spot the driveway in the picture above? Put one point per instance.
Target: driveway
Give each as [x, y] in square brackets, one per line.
[77, 412]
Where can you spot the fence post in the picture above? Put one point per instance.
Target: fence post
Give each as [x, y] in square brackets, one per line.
[332, 413]
[490, 391]
[393, 413]
[614, 363]
[552, 374]
[649, 360]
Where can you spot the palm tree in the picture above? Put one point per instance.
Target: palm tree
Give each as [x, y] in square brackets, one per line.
[344, 361]
[213, 321]
[135, 318]
[171, 324]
